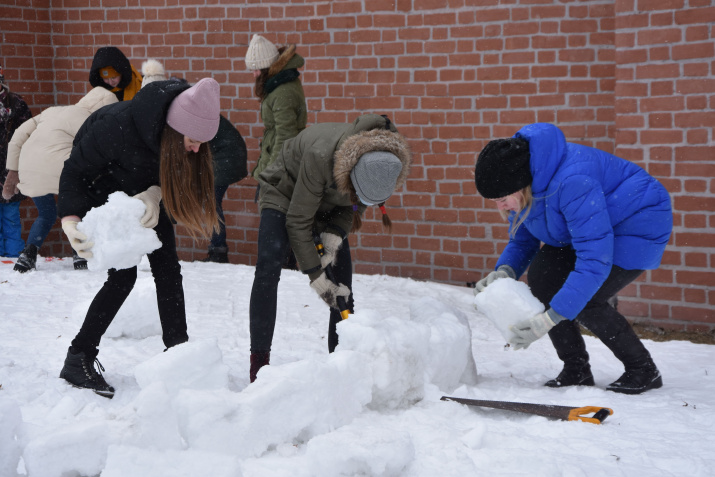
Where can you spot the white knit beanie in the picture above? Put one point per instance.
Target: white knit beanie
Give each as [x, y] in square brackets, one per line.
[152, 71]
[261, 53]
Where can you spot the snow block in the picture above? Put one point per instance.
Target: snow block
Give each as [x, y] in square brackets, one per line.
[360, 450]
[449, 361]
[506, 302]
[192, 365]
[316, 395]
[120, 240]
[77, 449]
[10, 437]
[124, 461]
[396, 348]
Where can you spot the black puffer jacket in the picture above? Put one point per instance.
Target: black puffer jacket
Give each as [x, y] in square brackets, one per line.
[229, 154]
[117, 149]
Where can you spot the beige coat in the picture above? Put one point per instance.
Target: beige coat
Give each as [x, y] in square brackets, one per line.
[41, 145]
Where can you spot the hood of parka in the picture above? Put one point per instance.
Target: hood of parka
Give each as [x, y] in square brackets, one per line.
[110, 56]
[289, 59]
[353, 147]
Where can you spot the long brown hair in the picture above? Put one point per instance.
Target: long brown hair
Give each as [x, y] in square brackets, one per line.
[262, 79]
[187, 184]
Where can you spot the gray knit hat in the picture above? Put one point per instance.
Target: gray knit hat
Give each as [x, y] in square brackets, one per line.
[261, 53]
[375, 175]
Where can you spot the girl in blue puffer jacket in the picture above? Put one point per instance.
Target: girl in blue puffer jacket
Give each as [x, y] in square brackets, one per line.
[602, 221]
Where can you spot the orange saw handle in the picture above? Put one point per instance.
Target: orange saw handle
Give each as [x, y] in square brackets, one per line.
[600, 414]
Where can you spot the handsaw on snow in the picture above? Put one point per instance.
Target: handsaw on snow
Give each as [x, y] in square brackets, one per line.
[564, 413]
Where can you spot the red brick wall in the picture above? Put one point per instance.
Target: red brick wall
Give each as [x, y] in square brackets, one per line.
[634, 77]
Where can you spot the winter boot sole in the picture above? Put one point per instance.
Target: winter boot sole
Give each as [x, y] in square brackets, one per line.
[106, 394]
[654, 384]
[557, 383]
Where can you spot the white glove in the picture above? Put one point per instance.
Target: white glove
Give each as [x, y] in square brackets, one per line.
[77, 239]
[329, 291]
[528, 331]
[151, 198]
[331, 245]
[504, 271]
[10, 187]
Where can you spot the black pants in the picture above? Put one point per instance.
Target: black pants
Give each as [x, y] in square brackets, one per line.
[273, 246]
[166, 270]
[547, 274]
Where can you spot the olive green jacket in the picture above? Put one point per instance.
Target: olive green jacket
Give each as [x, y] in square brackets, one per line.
[310, 179]
[283, 110]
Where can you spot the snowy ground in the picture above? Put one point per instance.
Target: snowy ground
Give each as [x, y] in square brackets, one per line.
[371, 408]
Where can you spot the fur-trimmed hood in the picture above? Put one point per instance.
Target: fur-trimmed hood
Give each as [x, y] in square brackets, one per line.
[288, 59]
[350, 151]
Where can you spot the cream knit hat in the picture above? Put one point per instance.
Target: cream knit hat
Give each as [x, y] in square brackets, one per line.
[261, 53]
[152, 71]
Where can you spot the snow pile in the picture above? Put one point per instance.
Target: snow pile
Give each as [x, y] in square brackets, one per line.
[185, 404]
[120, 240]
[371, 408]
[505, 302]
[10, 430]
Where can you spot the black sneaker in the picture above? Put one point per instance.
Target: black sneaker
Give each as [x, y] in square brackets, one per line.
[27, 259]
[79, 371]
[572, 376]
[78, 262]
[637, 380]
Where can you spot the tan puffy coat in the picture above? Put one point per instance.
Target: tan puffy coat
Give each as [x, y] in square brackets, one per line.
[41, 145]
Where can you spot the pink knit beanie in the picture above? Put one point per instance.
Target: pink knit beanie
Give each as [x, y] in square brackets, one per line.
[195, 112]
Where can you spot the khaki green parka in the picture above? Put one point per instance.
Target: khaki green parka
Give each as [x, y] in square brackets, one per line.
[283, 110]
[310, 179]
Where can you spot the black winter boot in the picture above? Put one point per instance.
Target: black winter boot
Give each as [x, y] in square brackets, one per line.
[78, 262]
[573, 374]
[259, 359]
[217, 255]
[79, 371]
[571, 349]
[637, 379]
[27, 259]
[617, 334]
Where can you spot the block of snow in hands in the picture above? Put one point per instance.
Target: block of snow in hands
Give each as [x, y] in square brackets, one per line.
[120, 240]
[506, 302]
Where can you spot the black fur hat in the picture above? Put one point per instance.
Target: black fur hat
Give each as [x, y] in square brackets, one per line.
[502, 168]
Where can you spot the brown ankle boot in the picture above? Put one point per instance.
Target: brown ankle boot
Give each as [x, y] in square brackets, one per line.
[259, 359]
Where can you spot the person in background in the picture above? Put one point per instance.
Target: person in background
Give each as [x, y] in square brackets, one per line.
[165, 161]
[229, 160]
[13, 113]
[228, 150]
[152, 70]
[112, 70]
[283, 108]
[319, 185]
[35, 158]
[602, 220]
